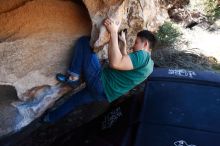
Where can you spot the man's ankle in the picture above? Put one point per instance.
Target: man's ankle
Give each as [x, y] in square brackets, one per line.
[72, 77]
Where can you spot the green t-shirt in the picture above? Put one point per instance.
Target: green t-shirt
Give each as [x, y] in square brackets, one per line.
[118, 82]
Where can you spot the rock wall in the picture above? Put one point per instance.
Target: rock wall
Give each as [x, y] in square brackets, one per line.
[37, 35]
[37, 39]
[135, 15]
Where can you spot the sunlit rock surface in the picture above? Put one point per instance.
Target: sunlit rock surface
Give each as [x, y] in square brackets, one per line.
[37, 39]
[134, 16]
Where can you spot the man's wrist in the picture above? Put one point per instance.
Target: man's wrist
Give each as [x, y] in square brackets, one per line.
[113, 32]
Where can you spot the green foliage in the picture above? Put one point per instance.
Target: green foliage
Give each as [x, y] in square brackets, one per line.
[216, 67]
[167, 34]
[212, 9]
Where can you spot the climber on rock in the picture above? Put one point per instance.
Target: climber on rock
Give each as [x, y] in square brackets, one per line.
[110, 82]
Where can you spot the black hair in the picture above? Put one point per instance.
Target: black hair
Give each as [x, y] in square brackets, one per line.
[147, 35]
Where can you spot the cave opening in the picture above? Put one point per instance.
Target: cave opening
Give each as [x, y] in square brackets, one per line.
[7, 92]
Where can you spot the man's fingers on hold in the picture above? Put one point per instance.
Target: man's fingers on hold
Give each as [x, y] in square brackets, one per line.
[107, 23]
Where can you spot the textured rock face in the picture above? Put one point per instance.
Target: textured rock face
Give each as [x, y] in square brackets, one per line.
[99, 10]
[36, 40]
[135, 15]
[36, 36]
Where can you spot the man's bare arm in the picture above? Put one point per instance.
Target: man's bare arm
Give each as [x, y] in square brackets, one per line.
[124, 49]
[117, 60]
[124, 44]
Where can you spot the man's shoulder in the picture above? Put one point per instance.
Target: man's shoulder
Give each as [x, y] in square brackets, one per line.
[140, 52]
[139, 58]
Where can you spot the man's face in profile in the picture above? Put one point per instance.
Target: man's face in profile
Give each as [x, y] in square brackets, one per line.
[139, 44]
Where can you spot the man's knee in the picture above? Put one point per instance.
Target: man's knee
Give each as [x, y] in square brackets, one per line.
[84, 39]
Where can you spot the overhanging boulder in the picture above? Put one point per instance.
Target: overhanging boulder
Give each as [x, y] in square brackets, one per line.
[37, 39]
